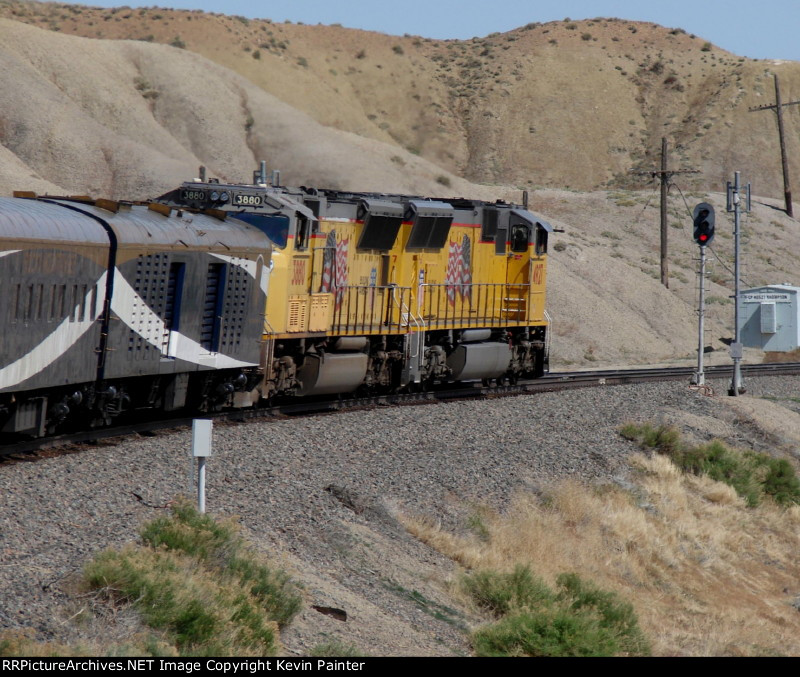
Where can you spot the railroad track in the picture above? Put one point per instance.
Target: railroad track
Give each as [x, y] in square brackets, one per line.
[74, 442]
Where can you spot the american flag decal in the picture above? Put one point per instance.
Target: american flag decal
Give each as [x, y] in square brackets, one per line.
[334, 266]
[459, 270]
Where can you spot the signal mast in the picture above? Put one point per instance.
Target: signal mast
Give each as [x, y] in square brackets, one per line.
[703, 217]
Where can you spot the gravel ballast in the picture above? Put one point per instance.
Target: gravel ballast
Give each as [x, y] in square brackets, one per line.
[319, 496]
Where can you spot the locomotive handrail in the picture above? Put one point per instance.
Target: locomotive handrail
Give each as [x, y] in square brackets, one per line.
[549, 332]
[377, 311]
[474, 304]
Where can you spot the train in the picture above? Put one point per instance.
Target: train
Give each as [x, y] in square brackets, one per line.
[218, 295]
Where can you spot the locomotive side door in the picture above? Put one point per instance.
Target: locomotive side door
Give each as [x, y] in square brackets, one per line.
[517, 287]
[313, 246]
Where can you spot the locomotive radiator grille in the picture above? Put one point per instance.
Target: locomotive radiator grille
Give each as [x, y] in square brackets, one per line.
[298, 311]
[210, 325]
[151, 297]
[234, 308]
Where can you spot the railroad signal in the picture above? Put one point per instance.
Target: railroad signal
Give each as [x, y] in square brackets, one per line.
[703, 224]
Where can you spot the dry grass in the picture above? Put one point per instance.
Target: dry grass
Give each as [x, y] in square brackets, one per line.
[22, 643]
[707, 575]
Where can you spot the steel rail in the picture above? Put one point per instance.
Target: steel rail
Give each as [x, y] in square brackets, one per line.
[73, 442]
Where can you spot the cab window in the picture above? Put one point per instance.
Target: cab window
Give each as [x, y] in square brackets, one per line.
[519, 238]
[541, 240]
[274, 226]
[303, 232]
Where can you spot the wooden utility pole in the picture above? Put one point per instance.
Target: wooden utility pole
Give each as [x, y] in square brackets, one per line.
[665, 175]
[778, 108]
[664, 190]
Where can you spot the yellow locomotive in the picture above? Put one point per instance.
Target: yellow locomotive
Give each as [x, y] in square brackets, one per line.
[382, 292]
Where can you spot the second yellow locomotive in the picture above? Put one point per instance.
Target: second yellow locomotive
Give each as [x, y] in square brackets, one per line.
[382, 292]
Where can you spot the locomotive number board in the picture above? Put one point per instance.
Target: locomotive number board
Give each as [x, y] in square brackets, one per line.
[194, 195]
[243, 199]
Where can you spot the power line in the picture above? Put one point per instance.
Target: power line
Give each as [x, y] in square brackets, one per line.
[665, 174]
[778, 108]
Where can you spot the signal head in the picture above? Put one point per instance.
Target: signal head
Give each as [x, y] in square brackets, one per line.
[703, 224]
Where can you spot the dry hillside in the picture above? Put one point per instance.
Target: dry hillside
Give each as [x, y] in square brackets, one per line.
[565, 104]
[131, 119]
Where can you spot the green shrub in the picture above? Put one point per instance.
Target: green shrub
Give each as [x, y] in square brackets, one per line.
[273, 589]
[579, 620]
[722, 464]
[192, 533]
[199, 617]
[781, 482]
[614, 616]
[665, 439]
[219, 546]
[196, 581]
[751, 474]
[550, 633]
[500, 593]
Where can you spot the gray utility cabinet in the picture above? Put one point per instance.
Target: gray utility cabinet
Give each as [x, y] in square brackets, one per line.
[768, 317]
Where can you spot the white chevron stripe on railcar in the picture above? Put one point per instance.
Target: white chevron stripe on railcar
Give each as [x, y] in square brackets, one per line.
[54, 344]
[9, 251]
[126, 301]
[66, 334]
[250, 267]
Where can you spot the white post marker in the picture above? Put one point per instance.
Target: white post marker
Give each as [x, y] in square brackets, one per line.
[201, 449]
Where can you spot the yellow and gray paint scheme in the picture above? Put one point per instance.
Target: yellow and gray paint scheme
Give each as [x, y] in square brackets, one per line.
[380, 292]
